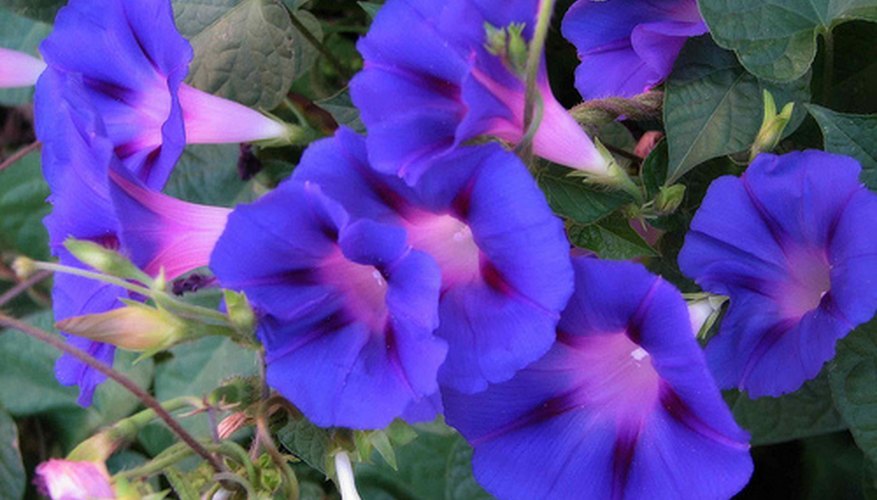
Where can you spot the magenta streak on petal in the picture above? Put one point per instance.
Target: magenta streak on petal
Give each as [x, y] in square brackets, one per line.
[364, 289]
[18, 69]
[676, 408]
[213, 120]
[622, 458]
[559, 138]
[185, 232]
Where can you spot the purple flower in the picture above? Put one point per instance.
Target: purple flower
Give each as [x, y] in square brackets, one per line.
[349, 308]
[130, 61]
[623, 405]
[503, 255]
[786, 242]
[18, 69]
[77, 162]
[628, 46]
[72, 480]
[430, 84]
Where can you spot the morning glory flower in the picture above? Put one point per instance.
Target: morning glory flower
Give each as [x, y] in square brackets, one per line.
[18, 69]
[623, 406]
[77, 162]
[628, 46]
[130, 61]
[503, 255]
[348, 307]
[786, 242]
[72, 480]
[434, 79]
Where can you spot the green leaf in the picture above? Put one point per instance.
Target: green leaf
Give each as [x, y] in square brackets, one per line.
[306, 441]
[611, 238]
[23, 206]
[24, 35]
[809, 411]
[571, 197]
[40, 10]
[370, 8]
[245, 50]
[776, 39]
[341, 107]
[852, 135]
[12, 476]
[207, 174]
[853, 377]
[855, 71]
[435, 466]
[713, 107]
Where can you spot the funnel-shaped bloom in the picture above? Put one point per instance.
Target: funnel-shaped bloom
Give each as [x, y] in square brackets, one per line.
[504, 256]
[130, 61]
[430, 84]
[18, 69]
[349, 308]
[76, 164]
[790, 243]
[628, 46]
[623, 406]
[71, 480]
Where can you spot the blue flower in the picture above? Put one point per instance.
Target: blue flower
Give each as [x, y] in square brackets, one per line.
[786, 242]
[628, 46]
[623, 406]
[348, 307]
[430, 84]
[18, 69]
[503, 255]
[130, 62]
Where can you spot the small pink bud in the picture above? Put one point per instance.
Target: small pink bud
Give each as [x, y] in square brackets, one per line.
[136, 328]
[647, 143]
[18, 69]
[69, 480]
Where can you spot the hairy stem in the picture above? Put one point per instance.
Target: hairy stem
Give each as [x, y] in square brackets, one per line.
[827, 67]
[121, 379]
[23, 287]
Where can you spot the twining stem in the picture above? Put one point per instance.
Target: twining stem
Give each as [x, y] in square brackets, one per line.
[125, 382]
[290, 481]
[534, 59]
[82, 273]
[21, 153]
[305, 32]
[23, 287]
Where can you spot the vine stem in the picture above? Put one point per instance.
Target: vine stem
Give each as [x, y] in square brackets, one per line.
[534, 59]
[296, 22]
[827, 67]
[21, 153]
[121, 379]
[23, 286]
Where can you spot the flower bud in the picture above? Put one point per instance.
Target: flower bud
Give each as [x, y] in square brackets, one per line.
[703, 313]
[772, 126]
[669, 198]
[136, 328]
[71, 480]
[97, 448]
[24, 267]
[105, 260]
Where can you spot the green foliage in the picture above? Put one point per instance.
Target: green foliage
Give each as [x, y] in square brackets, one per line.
[809, 411]
[571, 197]
[23, 206]
[207, 174]
[309, 443]
[853, 377]
[12, 478]
[40, 10]
[340, 106]
[435, 466]
[776, 39]
[22, 34]
[852, 135]
[713, 107]
[245, 50]
[611, 238]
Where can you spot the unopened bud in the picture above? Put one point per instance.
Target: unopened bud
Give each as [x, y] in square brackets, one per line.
[703, 313]
[97, 448]
[24, 267]
[772, 126]
[509, 45]
[65, 479]
[669, 198]
[240, 312]
[135, 328]
[105, 260]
